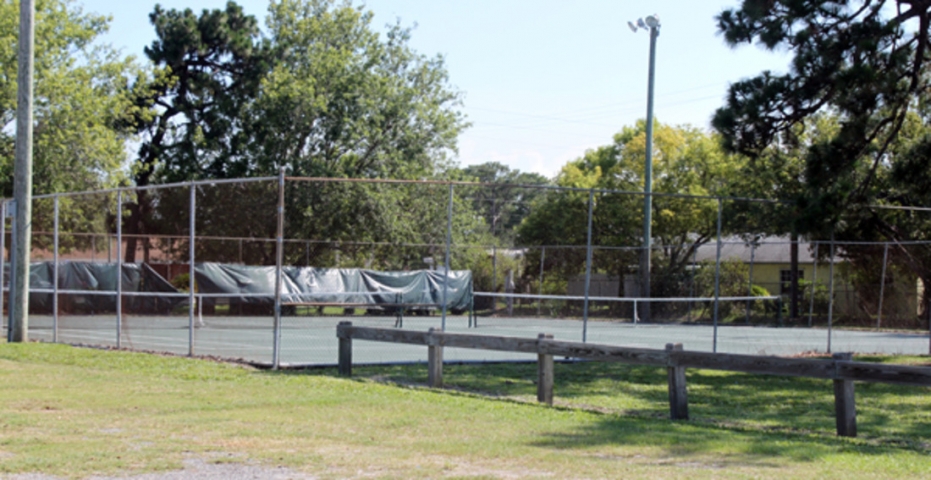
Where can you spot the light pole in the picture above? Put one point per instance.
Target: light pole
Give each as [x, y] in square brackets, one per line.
[650, 23]
[22, 175]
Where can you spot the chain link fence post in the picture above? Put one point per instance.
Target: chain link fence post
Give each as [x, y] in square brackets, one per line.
[588, 264]
[54, 274]
[119, 267]
[717, 278]
[191, 269]
[279, 260]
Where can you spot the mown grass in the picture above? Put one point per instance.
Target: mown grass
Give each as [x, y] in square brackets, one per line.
[77, 412]
[887, 414]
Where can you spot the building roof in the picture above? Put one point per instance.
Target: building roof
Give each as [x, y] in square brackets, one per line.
[769, 250]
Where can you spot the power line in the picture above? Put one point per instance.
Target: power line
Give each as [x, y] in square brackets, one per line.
[562, 116]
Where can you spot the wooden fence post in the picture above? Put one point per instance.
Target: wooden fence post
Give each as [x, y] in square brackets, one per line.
[434, 360]
[544, 373]
[845, 407]
[345, 349]
[678, 394]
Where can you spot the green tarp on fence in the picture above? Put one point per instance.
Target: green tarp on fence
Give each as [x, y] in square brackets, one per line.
[335, 285]
[239, 285]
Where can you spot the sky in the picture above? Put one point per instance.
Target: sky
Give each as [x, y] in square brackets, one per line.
[542, 80]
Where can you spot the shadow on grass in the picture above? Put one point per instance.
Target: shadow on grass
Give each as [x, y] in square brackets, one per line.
[681, 440]
[889, 416]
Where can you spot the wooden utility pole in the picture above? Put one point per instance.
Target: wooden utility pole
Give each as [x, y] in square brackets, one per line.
[22, 175]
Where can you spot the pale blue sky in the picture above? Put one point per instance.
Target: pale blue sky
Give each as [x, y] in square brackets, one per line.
[543, 80]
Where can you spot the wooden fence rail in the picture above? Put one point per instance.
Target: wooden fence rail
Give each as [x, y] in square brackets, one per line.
[840, 368]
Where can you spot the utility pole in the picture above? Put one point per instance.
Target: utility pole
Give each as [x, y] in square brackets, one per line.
[22, 175]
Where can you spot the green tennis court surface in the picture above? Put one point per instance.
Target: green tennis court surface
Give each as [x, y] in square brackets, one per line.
[311, 340]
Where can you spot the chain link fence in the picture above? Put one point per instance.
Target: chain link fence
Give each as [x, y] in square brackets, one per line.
[123, 268]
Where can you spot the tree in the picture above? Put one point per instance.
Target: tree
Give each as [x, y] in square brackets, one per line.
[503, 203]
[343, 101]
[322, 95]
[206, 70]
[864, 63]
[686, 161]
[862, 60]
[81, 104]
[777, 174]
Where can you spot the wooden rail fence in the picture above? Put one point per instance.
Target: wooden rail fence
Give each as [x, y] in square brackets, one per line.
[840, 368]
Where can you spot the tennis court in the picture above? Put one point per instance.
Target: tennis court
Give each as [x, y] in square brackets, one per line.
[311, 340]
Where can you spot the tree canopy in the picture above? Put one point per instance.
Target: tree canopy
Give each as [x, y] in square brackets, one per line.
[863, 61]
[80, 99]
[342, 100]
[320, 94]
[503, 201]
[686, 160]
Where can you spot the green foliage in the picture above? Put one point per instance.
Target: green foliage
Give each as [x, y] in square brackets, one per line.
[81, 107]
[342, 101]
[321, 94]
[502, 204]
[733, 282]
[733, 278]
[862, 61]
[758, 291]
[821, 294]
[80, 99]
[207, 69]
[686, 160]
[182, 282]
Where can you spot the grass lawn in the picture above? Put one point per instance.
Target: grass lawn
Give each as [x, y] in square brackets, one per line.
[75, 412]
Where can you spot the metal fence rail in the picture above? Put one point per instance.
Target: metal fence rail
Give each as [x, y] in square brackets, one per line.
[585, 274]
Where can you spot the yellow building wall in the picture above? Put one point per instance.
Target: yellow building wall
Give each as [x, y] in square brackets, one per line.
[899, 298]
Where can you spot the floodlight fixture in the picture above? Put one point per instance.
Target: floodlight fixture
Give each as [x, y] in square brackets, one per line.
[633, 28]
[652, 21]
[641, 24]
